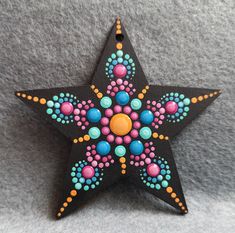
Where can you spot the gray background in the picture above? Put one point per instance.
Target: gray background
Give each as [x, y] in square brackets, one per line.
[44, 44]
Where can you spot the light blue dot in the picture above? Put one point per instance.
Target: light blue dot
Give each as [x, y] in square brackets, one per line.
[136, 104]
[159, 177]
[78, 186]
[186, 101]
[94, 132]
[50, 103]
[119, 53]
[105, 102]
[113, 56]
[88, 181]
[120, 60]
[145, 132]
[82, 180]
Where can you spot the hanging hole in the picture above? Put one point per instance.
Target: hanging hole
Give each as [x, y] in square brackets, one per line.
[119, 37]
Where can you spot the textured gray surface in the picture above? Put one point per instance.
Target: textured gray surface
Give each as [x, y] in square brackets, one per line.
[57, 43]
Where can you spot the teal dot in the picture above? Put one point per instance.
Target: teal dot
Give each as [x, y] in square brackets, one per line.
[109, 59]
[186, 109]
[158, 186]
[73, 173]
[92, 186]
[186, 101]
[50, 103]
[58, 119]
[113, 56]
[54, 116]
[127, 56]
[86, 188]
[61, 94]
[181, 96]
[145, 132]
[120, 151]
[73, 169]
[130, 60]
[78, 186]
[49, 111]
[105, 102]
[164, 183]
[57, 105]
[55, 98]
[159, 177]
[119, 53]
[152, 186]
[136, 104]
[75, 180]
[94, 132]
[168, 177]
[181, 104]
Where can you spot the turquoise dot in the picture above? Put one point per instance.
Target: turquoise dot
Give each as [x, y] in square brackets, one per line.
[75, 180]
[49, 111]
[109, 59]
[136, 104]
[119, 53]
[168, 177]
[82, 180]
[164, 183]
[92, 186]
[73, 169]
[145, 132]
[54, 116]
[78, 186]
[88, 181]
[181, 96]
[186, 109]
[120, 60]
[159, 177]
[50, 103]
[127, 56]
[105, 102]
[158, 186]
[130, 60]
[181, 104]
[94, 132]
[58, 119]
[152, 186]
[120, 151]
[73, 173]
[55, 98]
[186, 101]
[57, 105]
[113, 56]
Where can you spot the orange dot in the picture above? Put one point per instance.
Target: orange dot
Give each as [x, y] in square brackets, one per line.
[99, 95]
[86, 137]
[194, 100]
[29, 97]
[62, 209]
[65, 204]
[96, 90]
[200, 98]
[211, 94]
[123, 166]
[177, 200]
[205, 96]
[92, 86]
[18, 93]
[80, 139]
[122, 160]
[118, 21]
[35, 99]
[155, 135]
[118, 26]
[23, 95]
[161, 137]
[141, 96]
[169, 189]
[180, 204]
[120, 124]
[73, 193]
[69, 199]
[166, 138]
[119, 45]
[182, 208]
[118, 32]
[42, 101]
[173, 195]
[123, 172]
[147, 87]
[144, 91]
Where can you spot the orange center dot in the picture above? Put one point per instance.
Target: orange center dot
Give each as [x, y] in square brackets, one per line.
[120, 124]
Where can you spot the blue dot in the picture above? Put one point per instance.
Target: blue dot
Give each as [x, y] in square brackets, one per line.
[136, 147]
[122, 98]
[93, 115]
[103, 148]
[146, 117]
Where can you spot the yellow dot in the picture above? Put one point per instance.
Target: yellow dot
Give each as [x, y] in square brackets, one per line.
[166, 138]
[29, 97]
[182, 208]
[92, 86]
[23, 95]
[86, 137]
[215, 93]
[118, 32]
[169, 190]
[120, 124]
[155, 135]
[59, 214]
[65, 204]
[80, 139]
[144, 91]
[62, 209]
[118, 21]
[42, 101]
[173, 195]
[69, 199]
[177, 200]
[141, 96]
[161, 137]
[123, 166]
[123, 172]
[122, 160]
[73, 193]
[96, 90]
[147, 87]
[35, 99]
[194, 100]
[75, 140]
[119, 45]
[18, 93]
[205, 96]
[200, 98]
[99, 95]
[211, 94]
[118, 26]
[180, 204]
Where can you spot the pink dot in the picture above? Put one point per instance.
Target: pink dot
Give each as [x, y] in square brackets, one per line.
[76, 111]
[93, 146]
[141, 163]
[127, 109]
[128, 89]
[101, 165]
[112, 93]
[134, 116]
[97, 157]
[83, 112]
[162, 117]
[142, 156]
[162, 110]
[160, 122]
[147, 151]
[122, 87]
[112, 161]
[136, 124]
[115, 89]
[93, 152]
[88, 153]
[119, 71]
[125, 82]
[127, 139]
[79, 123]
[94, 163]
[89, 159]
[108, 112]
[83, 119]
[104, 121]
[83, 127]
[88, 172]
[148, 101]
[88, 148]
[105, 130]
[151, 155]
[137, 158]
[109, 157]
[136, 164]
[110, 138]
[83, 102]
[92, 105]
[76, 118]
[131, 162]
[134, 133]
[119, 81]
[89, 101]
[107, 164]
[132, 156]
[113, 83]
[154, 102]
[117, 108]
[79, 105]
[153, 169]
[104, 159]
[109, 87]
[157, 114]
[148, 160]
[66, 108]
[118, 140]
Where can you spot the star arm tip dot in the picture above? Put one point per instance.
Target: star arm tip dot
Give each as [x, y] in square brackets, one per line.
[120, 126]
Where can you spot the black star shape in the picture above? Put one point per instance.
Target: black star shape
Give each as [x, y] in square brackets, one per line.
[125, 126]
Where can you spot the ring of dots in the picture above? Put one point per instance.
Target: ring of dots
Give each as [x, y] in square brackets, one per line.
[80, 182]
[120, 58]
[97, 160]
[144, 158]
[80, 113]
[119, 85]
[183, 106]
[54, 107]
[161, 180]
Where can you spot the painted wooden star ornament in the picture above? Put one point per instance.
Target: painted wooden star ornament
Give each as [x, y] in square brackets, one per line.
[120, 126]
